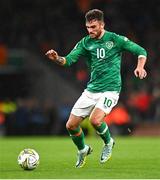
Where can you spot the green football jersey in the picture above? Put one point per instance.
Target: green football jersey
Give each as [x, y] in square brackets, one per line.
[103, 56]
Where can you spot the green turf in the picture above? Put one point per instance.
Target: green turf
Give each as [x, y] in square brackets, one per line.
[136, 158]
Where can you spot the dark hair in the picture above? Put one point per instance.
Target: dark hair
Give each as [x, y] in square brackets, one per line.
[94, 14]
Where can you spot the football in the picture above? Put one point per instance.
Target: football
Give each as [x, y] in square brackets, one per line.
[28, 159]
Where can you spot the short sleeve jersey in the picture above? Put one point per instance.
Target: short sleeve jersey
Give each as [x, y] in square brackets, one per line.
[103, 56]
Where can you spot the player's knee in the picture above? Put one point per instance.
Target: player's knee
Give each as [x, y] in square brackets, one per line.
[94, 121]
[70, 126]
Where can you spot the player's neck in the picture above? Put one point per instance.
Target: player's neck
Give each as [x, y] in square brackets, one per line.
[101, 35]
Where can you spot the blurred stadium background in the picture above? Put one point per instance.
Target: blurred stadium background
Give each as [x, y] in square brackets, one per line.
[36, 95]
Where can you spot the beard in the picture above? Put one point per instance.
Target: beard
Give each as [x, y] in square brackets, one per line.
[95, 35]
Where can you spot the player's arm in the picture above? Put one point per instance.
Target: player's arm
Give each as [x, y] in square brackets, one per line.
[134, 48]
[53, 56]
[140, 71]
[142, 57]
[71, 58]
[77, 52]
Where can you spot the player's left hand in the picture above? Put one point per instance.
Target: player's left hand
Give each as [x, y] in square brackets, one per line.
[140, 72]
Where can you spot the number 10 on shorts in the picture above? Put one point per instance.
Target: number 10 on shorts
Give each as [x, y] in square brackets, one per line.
[107, 102]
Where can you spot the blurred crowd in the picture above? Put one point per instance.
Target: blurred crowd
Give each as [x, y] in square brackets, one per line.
[40, 25]
[28, 116]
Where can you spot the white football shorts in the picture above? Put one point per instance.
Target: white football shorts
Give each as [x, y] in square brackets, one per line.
[89, 100]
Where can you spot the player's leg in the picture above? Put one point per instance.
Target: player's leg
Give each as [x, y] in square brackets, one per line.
[102, 129]
[96, 119]
[76, 132]
[80, 110]
[102, 108]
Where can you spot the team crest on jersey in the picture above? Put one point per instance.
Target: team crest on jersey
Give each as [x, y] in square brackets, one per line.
[109, 44]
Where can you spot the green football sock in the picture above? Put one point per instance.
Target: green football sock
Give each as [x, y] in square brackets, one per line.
[103, 132]
[77, 137]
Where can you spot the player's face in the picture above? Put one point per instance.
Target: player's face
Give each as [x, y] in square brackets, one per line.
[95, 28]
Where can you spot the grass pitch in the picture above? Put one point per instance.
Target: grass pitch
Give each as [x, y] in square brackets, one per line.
[133, 158]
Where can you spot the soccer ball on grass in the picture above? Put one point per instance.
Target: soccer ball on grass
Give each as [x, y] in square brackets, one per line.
[28, 159]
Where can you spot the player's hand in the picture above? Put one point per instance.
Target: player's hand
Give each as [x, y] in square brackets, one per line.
[140, 72]
[51, 54]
